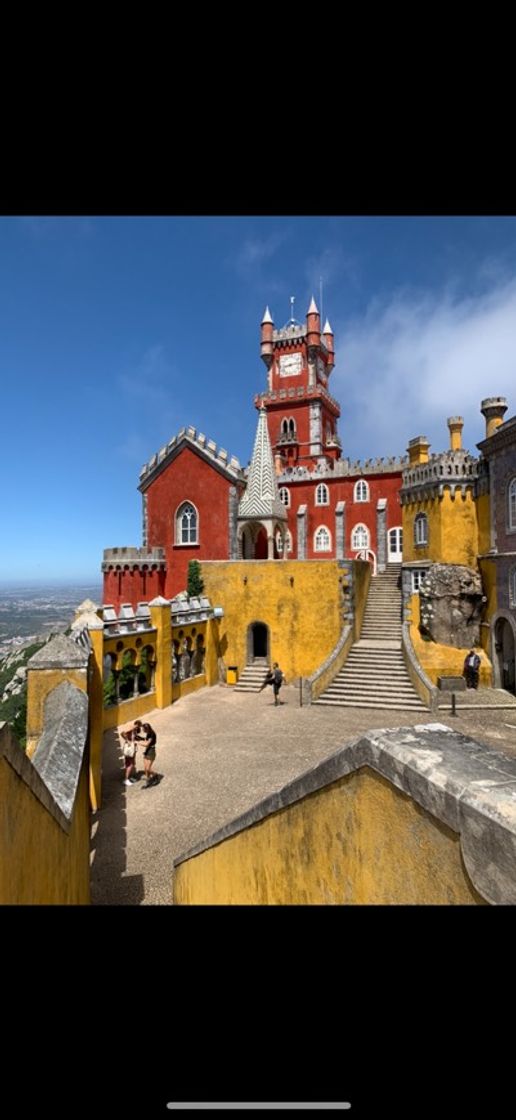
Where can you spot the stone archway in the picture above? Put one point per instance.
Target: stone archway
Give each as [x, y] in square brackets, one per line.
[504, 653]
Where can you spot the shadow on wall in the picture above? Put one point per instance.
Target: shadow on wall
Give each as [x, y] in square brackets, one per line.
[109, 884]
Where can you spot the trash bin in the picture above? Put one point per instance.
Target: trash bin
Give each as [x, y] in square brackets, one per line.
[232, 674]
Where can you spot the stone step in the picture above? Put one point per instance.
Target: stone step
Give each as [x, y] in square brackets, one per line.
[412, 705]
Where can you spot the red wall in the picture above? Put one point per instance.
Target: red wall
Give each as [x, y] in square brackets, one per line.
[132, 585]
[342, 490]
[188, 478]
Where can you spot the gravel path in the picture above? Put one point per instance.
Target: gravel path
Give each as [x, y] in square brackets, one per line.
[219, 752]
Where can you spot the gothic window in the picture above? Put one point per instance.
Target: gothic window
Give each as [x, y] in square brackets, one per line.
[187, 524]
[361, 491]
[512, 504]
[284, 426]
[360, 537]
[292, 428]
[285, 496]
[279, 542]
[512, 588]
[322, 539]
[322, 495]
[421, 529]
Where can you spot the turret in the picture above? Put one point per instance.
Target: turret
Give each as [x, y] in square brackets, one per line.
[493, 409]
[455, 424]
[328, 342]
[418, 450]
[313, 324]
[267, 328]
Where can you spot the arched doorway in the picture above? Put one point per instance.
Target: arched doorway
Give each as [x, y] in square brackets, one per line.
[504, 655]
[257, 642]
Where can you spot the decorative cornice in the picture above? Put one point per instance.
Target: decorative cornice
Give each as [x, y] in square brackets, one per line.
[205, 448]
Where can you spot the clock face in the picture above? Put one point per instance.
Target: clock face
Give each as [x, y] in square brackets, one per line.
[290, 365]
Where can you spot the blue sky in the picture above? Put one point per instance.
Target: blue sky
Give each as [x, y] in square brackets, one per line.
[116, 332]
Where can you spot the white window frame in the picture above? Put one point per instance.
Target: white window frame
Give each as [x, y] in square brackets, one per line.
[421, 541]
[285, 493]
[511, 506]
[322, 495]
[512, 588]
[364, 544]
[288, 539]
[361, 491]
[180, 512]
[417, 575]
[322, 529]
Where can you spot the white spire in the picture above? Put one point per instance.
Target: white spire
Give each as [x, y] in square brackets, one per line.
[313, 308]
[327, 329]
[267, 317]
[261, 498]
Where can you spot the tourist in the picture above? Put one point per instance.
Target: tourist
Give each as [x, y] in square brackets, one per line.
[471, 669]
[131, 738]
[149, 754]
[276, 679]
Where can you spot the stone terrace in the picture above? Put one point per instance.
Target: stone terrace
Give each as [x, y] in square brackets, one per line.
[220, 752]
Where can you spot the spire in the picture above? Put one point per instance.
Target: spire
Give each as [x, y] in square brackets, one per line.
[261, 498]
[267, 317]
[327, 329]
[313, 309]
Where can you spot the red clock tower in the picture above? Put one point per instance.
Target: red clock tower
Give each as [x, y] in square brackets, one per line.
[301, 414]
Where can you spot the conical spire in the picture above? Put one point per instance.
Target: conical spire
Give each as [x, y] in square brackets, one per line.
[327, 329]
[313, 309]
[261, 498]
[267, 317]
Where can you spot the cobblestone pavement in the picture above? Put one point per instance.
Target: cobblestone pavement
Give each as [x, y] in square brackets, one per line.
[219, 752]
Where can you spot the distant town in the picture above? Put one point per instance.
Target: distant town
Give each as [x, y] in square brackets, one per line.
[31, 611]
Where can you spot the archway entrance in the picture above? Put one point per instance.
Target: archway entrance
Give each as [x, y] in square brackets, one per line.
[505, 655]
[257, 642]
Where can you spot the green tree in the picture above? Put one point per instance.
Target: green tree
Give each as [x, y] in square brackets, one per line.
[195, 584]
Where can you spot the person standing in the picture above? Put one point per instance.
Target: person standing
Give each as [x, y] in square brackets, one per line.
[149, 754]
[276, 679]
[471, 669]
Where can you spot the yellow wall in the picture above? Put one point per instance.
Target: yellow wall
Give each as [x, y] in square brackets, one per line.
[39, 683]
[357, 841]
[452, 530]
[484, 523]
[40, 864]
[304, 619]
[191, 684]
[443, 661]
[128, 710]
[96, 714]
[362, 579]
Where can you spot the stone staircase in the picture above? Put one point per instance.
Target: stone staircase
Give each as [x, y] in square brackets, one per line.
[374, 675]
[253, 676]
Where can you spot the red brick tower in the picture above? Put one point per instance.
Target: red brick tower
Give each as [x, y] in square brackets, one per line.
[301, 415]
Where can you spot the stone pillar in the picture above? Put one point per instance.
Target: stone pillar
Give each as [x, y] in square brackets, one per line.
[340, 530]
[161, 620]
[144, 520]
[59, 660]
[232, 523]
[381, 534]
[301, 533]
[270, 546]
[315, 428]
[94, 626]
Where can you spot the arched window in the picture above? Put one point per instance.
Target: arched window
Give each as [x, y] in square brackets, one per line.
[361, 491]
[322, 495]
[421, 529]
[360, 537]
[279, 542]
[512, 588]
[292, 428]
[322, 539]
[284, 426]
[285, 496]
[187, 524]
[512, 504]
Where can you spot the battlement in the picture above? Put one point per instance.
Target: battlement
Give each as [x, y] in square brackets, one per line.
[127, 621]
[458, 467]
[310, 392]
[208, 447]
[289, 333]
[129, 557]
[344, 468]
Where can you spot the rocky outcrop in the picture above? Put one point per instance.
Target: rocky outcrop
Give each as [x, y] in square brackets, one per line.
[451, 598]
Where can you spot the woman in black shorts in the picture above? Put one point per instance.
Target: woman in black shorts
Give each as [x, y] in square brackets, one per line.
[149, 754]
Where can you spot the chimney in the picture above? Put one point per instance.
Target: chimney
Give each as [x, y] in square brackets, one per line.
[455, 424]
[493, 409]
[418, 450]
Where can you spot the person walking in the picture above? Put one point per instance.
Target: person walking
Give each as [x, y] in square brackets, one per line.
[471, 669]
[149, 754]
[276, 679]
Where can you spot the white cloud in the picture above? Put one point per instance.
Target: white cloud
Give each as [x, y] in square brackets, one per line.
[408, 364]
[255, 251]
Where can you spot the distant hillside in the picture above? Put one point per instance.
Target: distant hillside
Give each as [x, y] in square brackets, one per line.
[13, 686]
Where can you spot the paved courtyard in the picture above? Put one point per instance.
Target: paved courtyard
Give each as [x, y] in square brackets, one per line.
[219, 752]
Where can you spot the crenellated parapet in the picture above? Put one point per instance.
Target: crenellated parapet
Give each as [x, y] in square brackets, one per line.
[299, 392]
[135, 558]
[218, 456]
[453, 471]
[344, 468]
